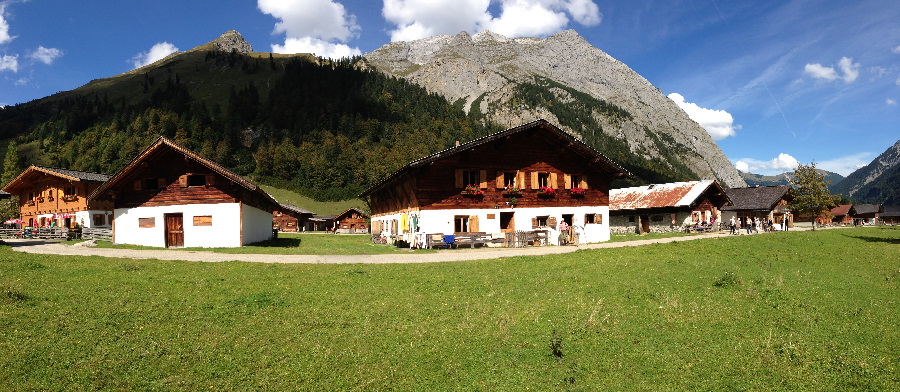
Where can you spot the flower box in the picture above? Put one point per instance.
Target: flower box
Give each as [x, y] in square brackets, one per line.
[70, 198]
[511, 191]
[472, 190]
[546, 191]
[577, 191]
[29, 203]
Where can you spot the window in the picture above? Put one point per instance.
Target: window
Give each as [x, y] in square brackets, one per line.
[656, 218]
[69, 191]
[471, 177]
[509, 179]
[146, 222]
[99, 219]
[631, 219]
[543, 180]
[196, 180]
[203, 220]
[461, 223]
[541, 220]
[589, 218]
[574, 181]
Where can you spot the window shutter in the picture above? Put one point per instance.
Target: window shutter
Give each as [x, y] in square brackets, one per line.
[534, 180]
[583, 183]
[137, 185]
[182, 181]
[482, 179]
[500, 184]
[534, 224]
[459, 179]
[554, 181]
[551, 221]
[473, 223]
[210, 179]
[567, 180]
[520, 180]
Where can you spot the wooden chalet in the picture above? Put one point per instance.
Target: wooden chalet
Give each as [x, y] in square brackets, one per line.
[768, 203]
[320, 223]
[841, 215]
[531, 177]
[661, 208]
[58, 197]
[352, 221]
[289, 218]
[169, 196]
[865, 214]
[890, 215]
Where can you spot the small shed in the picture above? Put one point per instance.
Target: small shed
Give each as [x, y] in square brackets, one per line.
[661, 208]
[352, 221]
[290, 218]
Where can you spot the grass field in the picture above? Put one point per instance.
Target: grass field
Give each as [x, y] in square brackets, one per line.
[318, 207]
[788, 311]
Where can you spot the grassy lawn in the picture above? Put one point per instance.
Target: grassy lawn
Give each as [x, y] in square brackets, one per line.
[295, 244]
[793, 311]
[648, 236]
[318, 207]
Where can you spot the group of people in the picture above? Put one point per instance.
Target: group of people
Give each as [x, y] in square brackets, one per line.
[753, 225]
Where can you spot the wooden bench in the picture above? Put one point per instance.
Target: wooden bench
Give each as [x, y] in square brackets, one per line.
[463, 239]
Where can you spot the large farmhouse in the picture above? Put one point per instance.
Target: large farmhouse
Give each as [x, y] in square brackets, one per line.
[661, 208]
[169, 196]
[58, 197]
[531, 177]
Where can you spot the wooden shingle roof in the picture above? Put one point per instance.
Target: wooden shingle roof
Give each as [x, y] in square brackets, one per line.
[864, 209]
[30, 173]
[762, 198]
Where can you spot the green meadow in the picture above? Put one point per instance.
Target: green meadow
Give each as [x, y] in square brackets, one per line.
[785, 311]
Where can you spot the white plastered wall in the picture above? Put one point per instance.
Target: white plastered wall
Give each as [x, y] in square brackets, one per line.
[86, 219]
[225, 230]
[442, 221]
[257, 224]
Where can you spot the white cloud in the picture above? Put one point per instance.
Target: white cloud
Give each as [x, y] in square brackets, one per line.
[417, 19]
[742, 166]
[4, 26]
[783, 163]
[849, 71]
[9, 63]
[46, 55]
[896, 49]
[311, 26]
[156, 53]
[315, 46]
[718, 123]
[890, 101]
[847, 164]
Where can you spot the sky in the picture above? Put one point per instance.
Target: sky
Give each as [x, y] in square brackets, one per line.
[775, 83]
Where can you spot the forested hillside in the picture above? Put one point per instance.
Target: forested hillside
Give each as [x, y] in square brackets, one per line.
[323, 128]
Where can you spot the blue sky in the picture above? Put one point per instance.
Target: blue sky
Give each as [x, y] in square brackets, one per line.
[774, 82]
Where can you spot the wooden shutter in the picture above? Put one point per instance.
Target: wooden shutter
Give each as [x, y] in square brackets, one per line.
[583, 182]
[520, 180]
[500, 175]
[473, 223]
[482, 179]
[534, 222]
[551, 221]
[567, 180]
[137, 185]
[210, 179]
[534, 180]
[182, 181]
[459, 180]
[554, 183]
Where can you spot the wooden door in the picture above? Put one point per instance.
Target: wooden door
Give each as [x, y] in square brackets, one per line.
[174, 230]
[645, 224]
[507, 222]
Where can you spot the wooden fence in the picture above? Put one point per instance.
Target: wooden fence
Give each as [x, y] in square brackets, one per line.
[96, 234]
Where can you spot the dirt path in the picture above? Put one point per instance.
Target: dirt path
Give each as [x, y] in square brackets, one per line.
[51, 248]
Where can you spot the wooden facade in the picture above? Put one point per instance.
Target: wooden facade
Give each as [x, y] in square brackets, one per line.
[768, 203]
[170, 196]
[289, 218]
[531, 176]
[51, 196]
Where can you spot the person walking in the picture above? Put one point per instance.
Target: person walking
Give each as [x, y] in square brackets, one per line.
[731, 224]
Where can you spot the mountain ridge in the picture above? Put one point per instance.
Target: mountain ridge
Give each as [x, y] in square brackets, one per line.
[877, 182]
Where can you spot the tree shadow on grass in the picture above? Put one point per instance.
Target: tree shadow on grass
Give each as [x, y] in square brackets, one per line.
[867, 238]
[279, 243]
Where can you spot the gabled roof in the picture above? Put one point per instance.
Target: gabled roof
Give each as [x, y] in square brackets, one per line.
[160, 146]
[576, 145]
[341, 216]
[65, 174]
[294, 209]
[761, 198]
[841, 210]
[890, 211]
[863, 209]
[676, 194]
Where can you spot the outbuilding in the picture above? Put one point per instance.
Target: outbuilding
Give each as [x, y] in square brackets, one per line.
[662, 208]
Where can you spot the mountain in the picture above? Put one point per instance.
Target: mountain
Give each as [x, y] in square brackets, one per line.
[786, 178]
[878, 182]
[568, 82]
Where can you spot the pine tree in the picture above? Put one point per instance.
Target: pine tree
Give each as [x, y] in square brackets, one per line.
[811, 196]
[10, 163]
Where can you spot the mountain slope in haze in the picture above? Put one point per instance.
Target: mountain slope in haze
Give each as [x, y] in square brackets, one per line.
[786, 178]
[878, 182]
[570, 83]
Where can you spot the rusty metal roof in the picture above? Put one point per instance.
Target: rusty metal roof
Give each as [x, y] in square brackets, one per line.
[676, 194]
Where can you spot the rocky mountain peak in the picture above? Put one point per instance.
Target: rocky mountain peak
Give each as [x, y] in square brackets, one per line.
[228, 41]
[486, 72]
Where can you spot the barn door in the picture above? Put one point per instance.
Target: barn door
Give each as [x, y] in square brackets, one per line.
[645, 224]
[174, 230]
